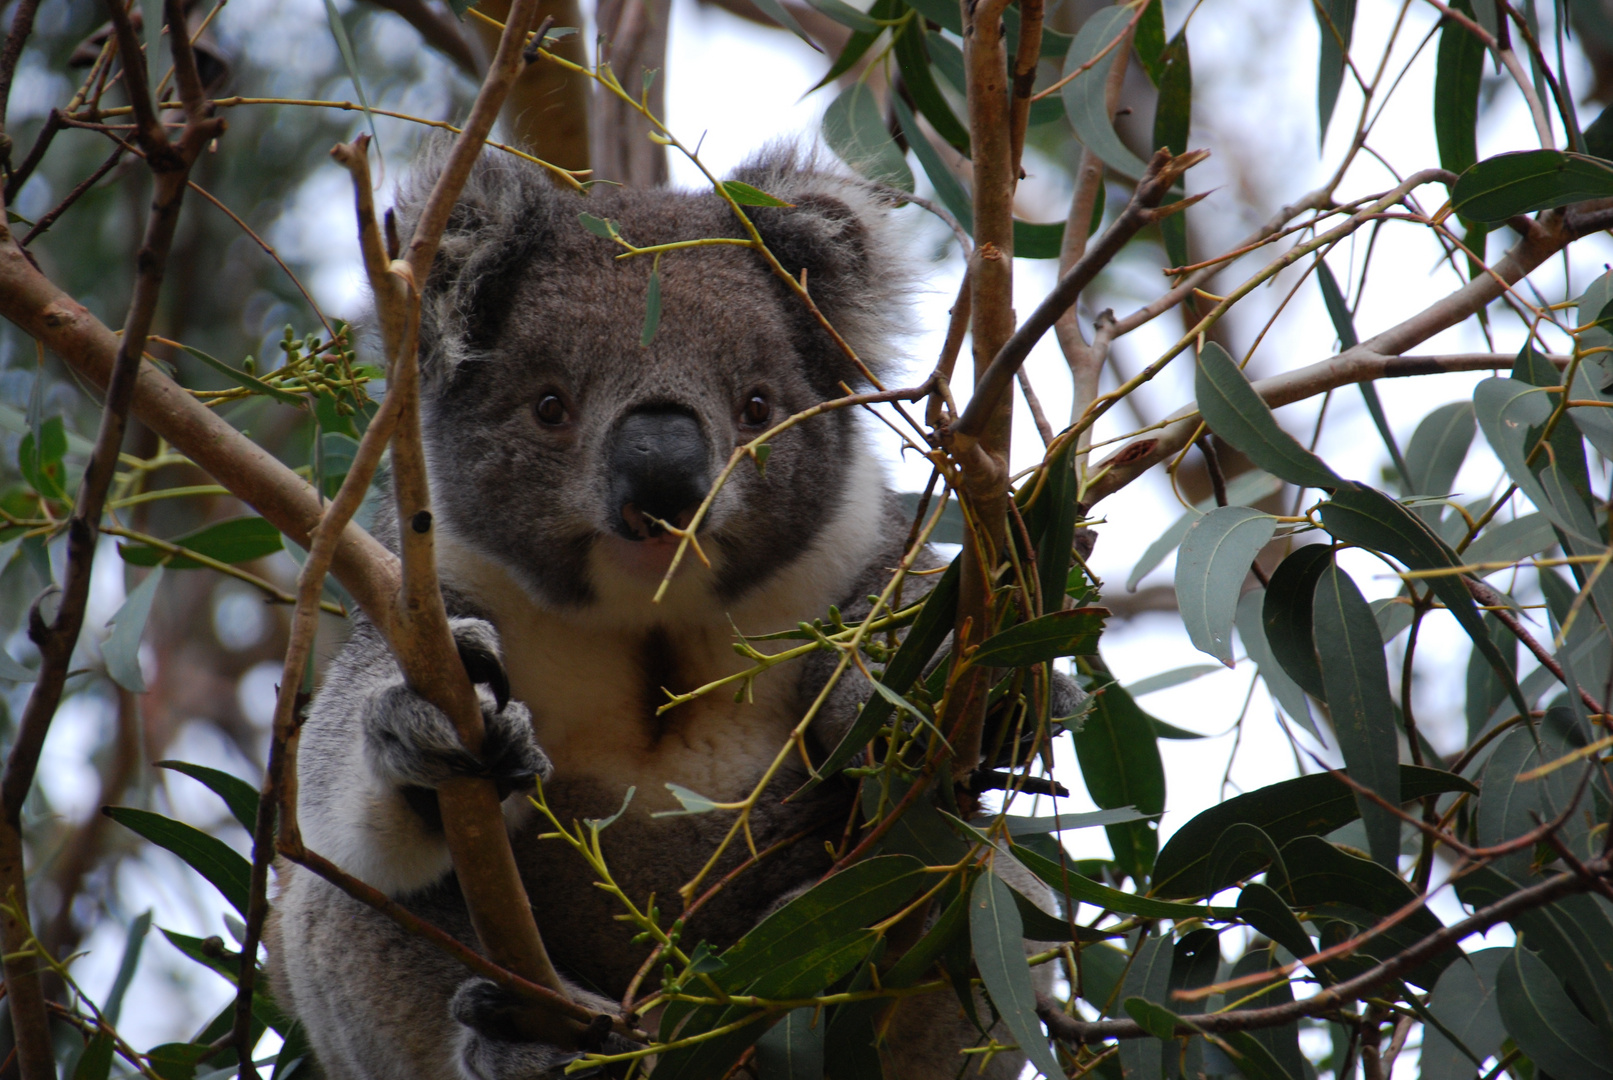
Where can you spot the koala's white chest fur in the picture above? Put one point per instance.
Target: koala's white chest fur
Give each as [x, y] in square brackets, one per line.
[595, 680]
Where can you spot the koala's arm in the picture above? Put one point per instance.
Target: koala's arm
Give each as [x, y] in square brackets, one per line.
[373, 750]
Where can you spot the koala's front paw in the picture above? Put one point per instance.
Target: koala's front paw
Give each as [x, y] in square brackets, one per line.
[490, 1046]
[412, 743]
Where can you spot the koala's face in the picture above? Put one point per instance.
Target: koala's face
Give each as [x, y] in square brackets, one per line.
[561, 446]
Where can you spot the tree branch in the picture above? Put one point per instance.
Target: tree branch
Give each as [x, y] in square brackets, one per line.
[57, 636]
[1070, 1029]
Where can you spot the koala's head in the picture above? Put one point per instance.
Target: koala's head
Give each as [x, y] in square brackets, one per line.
[558, 442]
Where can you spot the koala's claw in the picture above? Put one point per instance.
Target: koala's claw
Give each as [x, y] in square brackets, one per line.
[491, 1047]
[484, 667]
[413, 743]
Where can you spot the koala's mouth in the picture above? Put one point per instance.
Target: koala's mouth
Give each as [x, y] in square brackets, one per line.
[647, 525]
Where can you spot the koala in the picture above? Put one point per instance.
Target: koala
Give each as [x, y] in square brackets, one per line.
[560, 448]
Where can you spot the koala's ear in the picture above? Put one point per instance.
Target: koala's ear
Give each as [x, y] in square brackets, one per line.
[837, 230]
[502, 225]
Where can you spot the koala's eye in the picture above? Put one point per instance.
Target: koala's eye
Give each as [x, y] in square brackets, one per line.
[758, 410]
[550, 409]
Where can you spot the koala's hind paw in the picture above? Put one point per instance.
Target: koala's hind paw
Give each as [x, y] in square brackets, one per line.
[490, 1046]
[414, 744]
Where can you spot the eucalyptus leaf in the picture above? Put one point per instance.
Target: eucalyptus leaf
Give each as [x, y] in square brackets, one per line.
[1235, 412]
[855, 130]
[1522, 182]
[1210, 570]
[209, 856]
[998, 938]
[121, 649]
[1084, 94]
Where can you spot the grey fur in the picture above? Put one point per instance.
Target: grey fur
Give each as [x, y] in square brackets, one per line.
[524, 303]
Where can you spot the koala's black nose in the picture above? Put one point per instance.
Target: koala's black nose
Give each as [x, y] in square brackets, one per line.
[658, 469]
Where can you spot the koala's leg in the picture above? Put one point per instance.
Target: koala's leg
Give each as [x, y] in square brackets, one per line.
[373, 751]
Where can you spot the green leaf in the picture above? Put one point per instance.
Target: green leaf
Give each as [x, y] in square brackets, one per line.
[132, 943]
[1356, 678]
[1360, 515]
[1543, 1020]
[295, 1053]
[1328, 880]
[1316, 804]
[1287, 615]
[1500, 187]
[1167, 679]
[1511, 541]
[1568, 452]
[42, 468]
[1243, 850]
[338, 30]
[10, 670]
[1486, 690]
[951, 192]
[941, 12]
[858, 44]
[1467, 1028]
[854, 129]
[177, 1061]
[600, 227]
[264, 1010]
[928, 631]
[1235, 412]
[1149, 41]
[1121, 766]
[1173, 121]
[1243, 490]
[1066, 881]
[1073, 632]
[846, 15]
[692, 802]
[240, 796]
[1336, 20]
[241, 378]
[652, 307]
[1458, 74]
[1147, 981]
[746, 195]
[1052, 526]
[1084, 94]
[121, 649]
[781, 15]
[1344, 326]
[209, 856]
[999, 947]
[1034, 826]
[1435, 454]
[237, 540]
[96, 1061]
[792, 1050]
[1261, 907]
[914, 62]
[1210, 570]
[1267, 1053]
[1510, 807]
[1284, 690]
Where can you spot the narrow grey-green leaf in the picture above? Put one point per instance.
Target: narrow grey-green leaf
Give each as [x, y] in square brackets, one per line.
[338, 30]
[1458, 73]
[1469, 1020]
[1164, 680]
[781, 15]
[1361, 515]
[1073, 632]
[1486, 690]
[997, 935]
[209, 856]
[11, 671]
[1511, 541]
[1357, 681]
[241, 378]
[133, 941]
[1243, 490]
[846, 15]
[1210, 570]
[746, 195]
[1286, 615]
[1336, 19]
[1284, 690]
[1436, 451]
[1032, 826]
[600, 227]
[121, 649]
[1148, 981]
[1500, 187]
[793, 1049]
[1084, 95]
[1543, 1020]
[855, 130]
[652, 307]
[240, 796]
[1235, 412]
